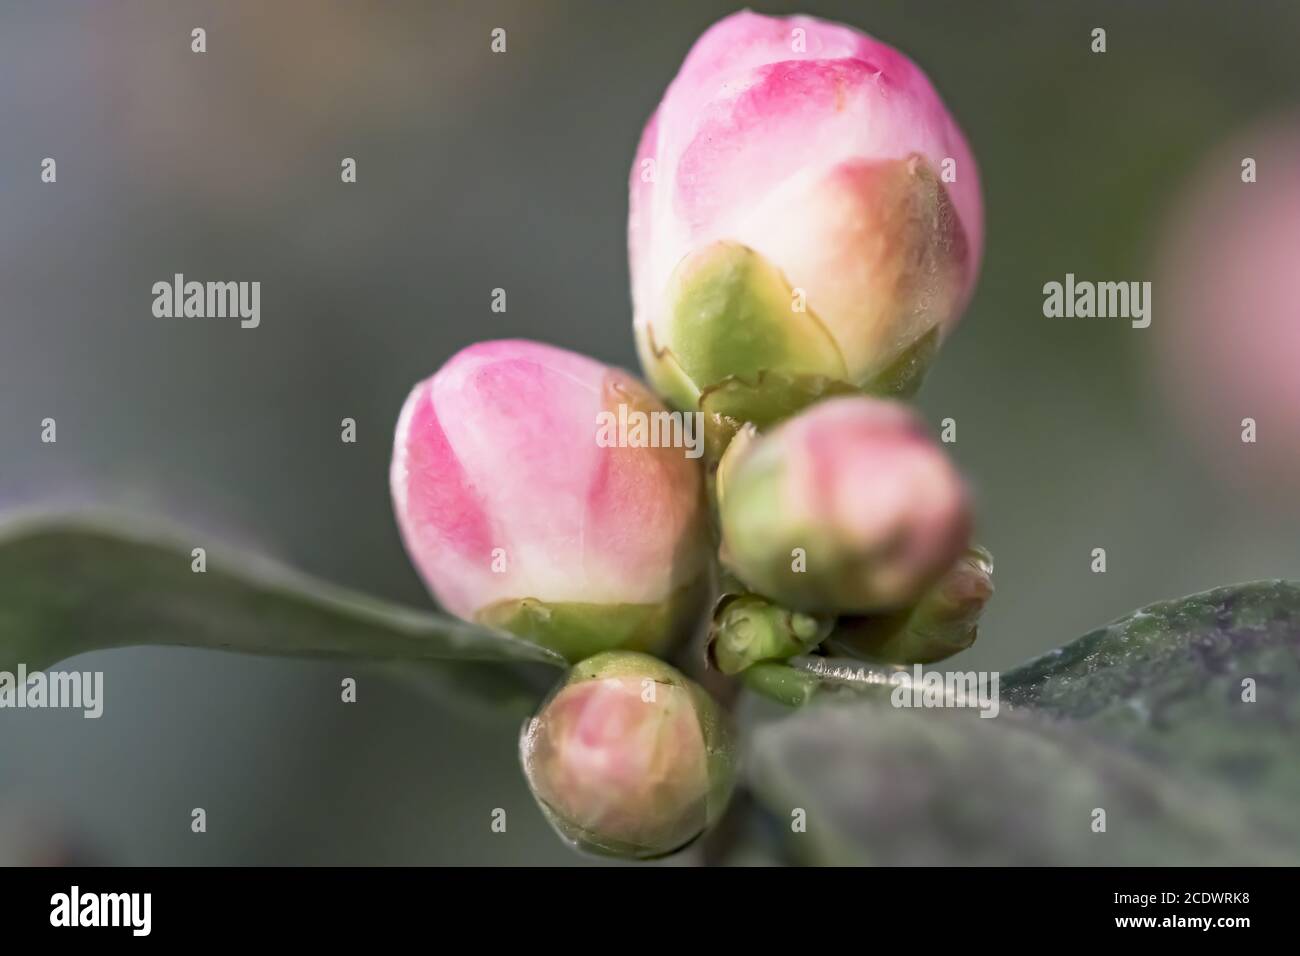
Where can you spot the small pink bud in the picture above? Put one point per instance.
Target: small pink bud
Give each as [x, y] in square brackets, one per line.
[830, 160]
[849, 507]
[517, 516]
[629, 758]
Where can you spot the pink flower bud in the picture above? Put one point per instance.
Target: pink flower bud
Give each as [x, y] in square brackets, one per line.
[629, 758]
[830, 160]
[849, 507]
[517, 516]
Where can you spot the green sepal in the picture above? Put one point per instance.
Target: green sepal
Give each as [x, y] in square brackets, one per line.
[665, 373]
[733, 313]
[903, 377]
[577, 630]
[763, 400]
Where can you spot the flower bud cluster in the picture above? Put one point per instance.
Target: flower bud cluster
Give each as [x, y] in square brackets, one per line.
[805, 230]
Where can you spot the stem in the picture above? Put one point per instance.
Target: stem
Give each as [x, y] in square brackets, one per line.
[781, 683]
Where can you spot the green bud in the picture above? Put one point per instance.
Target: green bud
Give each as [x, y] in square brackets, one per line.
[941, 624]
[748, 629]
[629, 758]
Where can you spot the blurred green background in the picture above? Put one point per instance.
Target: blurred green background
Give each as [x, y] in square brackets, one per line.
[478, 171]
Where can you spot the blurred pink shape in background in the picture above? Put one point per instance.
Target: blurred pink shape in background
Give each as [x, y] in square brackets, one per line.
[1227, 334]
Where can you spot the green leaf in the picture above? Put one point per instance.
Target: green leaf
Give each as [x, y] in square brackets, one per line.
[1144, 718]
[884, 786]
[487, 692]
[72, 583]
[1168, 682]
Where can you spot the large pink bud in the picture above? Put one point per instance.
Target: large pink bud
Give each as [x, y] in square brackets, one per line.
[518, 514]
[847, 508]
[803, 206]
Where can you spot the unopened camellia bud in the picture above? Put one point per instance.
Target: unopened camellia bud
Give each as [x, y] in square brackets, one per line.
[847, 508]
[805, 215]
[629, 758]
[944, 622]
[518, 516]
[748, 629]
